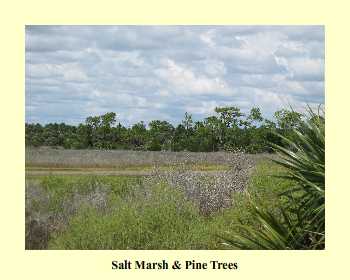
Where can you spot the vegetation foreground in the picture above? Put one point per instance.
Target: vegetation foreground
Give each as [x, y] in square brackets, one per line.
[169, 210]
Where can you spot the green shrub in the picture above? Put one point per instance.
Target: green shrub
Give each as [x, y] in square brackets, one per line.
[161, 219]
[300, 222]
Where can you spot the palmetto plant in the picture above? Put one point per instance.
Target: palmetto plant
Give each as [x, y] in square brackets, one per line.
[300, 223]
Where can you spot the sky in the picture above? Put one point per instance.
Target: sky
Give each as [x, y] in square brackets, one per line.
[144, 73]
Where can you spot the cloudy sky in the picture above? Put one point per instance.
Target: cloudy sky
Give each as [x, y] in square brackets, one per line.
[160, 72]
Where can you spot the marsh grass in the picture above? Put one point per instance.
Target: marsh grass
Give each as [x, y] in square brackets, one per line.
[89, 212]
[120, 159]
[51, 201]
[161, 220]
[190, 166]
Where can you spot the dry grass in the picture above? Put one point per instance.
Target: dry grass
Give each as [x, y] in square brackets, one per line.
[117, 159]
[210, 193]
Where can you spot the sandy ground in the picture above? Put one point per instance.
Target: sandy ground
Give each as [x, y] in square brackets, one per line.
[44, 162]
[106, 172]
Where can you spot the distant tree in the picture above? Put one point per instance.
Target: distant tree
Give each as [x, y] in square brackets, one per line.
[161, 133]
[83, 137]
[138, 136]
[229, 129]
[203, 140]
[179, 142]
[255, 116]
[230, 118]
[229, 115]
[188, 125]
[214, 127]
[34, 135]
[187, 122]
[287, 120]
[100, 128]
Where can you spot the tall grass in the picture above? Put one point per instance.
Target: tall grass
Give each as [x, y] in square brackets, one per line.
[79, 212]
[57, 158]
[162, 219]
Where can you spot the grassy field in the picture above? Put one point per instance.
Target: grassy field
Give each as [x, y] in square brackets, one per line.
[121, 159]
[173, 208]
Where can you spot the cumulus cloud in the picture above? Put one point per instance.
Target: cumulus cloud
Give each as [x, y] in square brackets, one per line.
[183, 80]
[160, 72]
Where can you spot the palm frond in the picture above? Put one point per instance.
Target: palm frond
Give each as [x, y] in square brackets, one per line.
[302, 221]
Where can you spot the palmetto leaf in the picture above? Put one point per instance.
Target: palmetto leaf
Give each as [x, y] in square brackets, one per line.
[303, 222]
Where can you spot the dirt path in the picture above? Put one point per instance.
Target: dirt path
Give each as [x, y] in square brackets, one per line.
[106, 172]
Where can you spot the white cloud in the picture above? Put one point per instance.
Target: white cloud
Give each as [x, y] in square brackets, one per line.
[159, 72]
[186, 81]
[203, 107]
[70, 72]
[306, 68]
[75, 75]
[262, 43]
[207, 38]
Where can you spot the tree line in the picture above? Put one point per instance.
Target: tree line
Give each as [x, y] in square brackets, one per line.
[228, 129]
